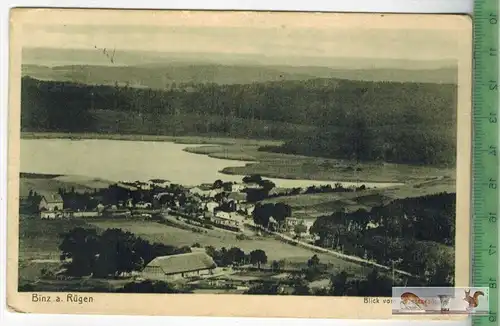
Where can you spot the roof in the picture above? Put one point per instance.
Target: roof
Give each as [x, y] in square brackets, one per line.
[159, 180]
[174, 264]
[52, 197]
[237, 196]
[205, 186]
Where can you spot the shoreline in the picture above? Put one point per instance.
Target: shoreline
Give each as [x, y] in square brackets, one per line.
[182, 140]
[268, 165]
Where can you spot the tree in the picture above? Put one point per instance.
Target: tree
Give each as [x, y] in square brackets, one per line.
[148, 287]
[218, 184]
[81, 246]
[275, 266]
[254, 178]
[280, 211]
[117, 253]
[338, 284]
[211, 251]
[299, 229]
[313, 261]
[267, 185]
[258, 257]
[300, 287]
[236, 255]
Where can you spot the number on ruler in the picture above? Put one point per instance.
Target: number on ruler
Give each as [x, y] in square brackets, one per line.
[493, 117]
[493, 19]
[493, 85]
[493, 283]
[493, 317]
[492, 217]
[492, 250]
[492, 184]
[492, 150]
[493, 52]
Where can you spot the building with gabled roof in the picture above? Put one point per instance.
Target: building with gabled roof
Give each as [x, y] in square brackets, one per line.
[193, 264]
[50, 202]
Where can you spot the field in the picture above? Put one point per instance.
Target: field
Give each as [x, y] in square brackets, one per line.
[39, 240]
[46, 183]
[275, 249]
[314, 205]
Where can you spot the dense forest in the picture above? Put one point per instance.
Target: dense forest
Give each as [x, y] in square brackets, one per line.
[415, 234]
[389, 121]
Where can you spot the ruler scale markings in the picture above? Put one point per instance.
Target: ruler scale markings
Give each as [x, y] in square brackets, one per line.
[485, 154]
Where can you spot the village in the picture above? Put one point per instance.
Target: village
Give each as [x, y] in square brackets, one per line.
[223, 205]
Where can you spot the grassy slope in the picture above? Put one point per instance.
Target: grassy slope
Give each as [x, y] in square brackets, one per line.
[314, 205]
[274, 249]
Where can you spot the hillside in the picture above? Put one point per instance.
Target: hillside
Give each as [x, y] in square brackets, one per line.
[391, 121]
[161, 76]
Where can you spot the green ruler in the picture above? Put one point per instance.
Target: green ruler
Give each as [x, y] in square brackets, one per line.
[486, 187]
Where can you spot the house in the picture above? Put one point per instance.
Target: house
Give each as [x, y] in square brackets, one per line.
[159, 183]
[51, 202]
[130, 186]
[199, 191]
[372, 225]
[166, 268]
[100, 207]
[237, 187]
[129, 203]
[232, 221]
[143, 185]
[214, 192]
[51, 215]
[210, 206]
[252, 185]
[248, 208]
[291, 222]
[142, 204]
[228, 223]
[237, 197]
[308, 224]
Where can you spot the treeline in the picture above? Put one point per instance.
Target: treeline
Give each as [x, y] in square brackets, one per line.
[321, 117]
[412, 234]
[235, 256]
[111, 253]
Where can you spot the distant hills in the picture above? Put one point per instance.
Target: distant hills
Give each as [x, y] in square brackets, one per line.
[160, 76]
[161, 70]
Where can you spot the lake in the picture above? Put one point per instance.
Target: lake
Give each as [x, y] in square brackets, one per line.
[119, 160]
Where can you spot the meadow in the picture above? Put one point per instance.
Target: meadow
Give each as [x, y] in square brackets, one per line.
[313, 205]
[275, 249]
[39, 241]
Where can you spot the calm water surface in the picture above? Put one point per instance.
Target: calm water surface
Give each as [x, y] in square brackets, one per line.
[119, 160]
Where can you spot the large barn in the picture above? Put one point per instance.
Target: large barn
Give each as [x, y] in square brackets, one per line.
[173, 267]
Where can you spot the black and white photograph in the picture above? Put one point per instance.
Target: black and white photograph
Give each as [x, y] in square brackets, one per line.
[245, 153]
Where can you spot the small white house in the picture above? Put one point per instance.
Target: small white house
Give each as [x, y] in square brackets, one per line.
[237, 187]
[159, 183]
[210, 206]
[50, 215]
[143, 185]
[51, 202]
[143, 205]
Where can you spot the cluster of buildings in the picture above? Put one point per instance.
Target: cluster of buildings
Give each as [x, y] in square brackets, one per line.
[223, 205]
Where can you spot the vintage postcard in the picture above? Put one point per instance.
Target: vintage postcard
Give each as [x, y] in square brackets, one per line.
[261, 164]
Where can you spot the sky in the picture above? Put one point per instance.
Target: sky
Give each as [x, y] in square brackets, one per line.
[265, 38]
